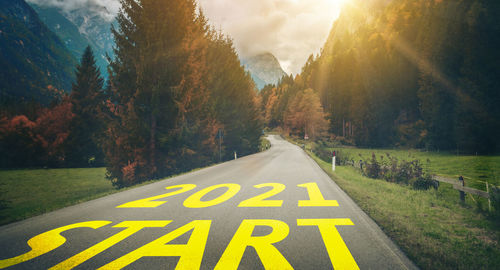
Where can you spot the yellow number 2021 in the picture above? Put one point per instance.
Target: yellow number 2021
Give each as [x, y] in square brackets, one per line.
[259, 200]
[150, 202]
[315, 197]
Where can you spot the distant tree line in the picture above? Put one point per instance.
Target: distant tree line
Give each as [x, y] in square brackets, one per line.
[411, 73]
[174, 84]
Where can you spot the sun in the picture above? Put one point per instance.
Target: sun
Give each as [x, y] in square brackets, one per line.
[342, 3]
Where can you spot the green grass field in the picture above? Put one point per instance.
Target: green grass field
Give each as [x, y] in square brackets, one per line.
[431, 226]
[32, 192]
[475, 169]
[27, 193]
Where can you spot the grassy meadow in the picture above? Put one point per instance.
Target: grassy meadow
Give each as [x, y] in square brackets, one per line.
[476, 170]
[31, 192]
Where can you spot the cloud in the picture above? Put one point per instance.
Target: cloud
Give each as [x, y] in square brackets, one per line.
[289, 29]
[107, 9]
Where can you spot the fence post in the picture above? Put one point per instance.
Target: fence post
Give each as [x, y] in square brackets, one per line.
[333, 161]
[462, 194]
[489, 201]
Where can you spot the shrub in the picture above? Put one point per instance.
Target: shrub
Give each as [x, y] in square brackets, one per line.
[424, 182]
[402, 172]
[372, 168]
[343, 158]
[323, 153]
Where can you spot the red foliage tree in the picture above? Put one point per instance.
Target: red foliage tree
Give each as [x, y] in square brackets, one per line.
[20, 145]
[52, 130]
[27, 143]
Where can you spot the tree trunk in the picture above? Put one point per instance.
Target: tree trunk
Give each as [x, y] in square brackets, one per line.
[152, 145]
[343, 127]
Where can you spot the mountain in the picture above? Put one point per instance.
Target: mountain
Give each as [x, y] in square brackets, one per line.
[96, 28]
[264, 68]
[79, 27]
[34, 61]
[66, 30]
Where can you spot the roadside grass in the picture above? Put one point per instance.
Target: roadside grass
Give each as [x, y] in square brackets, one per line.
[264, 143]
[431, 226]
[29, 192]
[32, 192]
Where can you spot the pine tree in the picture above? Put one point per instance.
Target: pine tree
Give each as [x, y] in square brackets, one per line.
[87, 100]
[233, 98]
[162, 124]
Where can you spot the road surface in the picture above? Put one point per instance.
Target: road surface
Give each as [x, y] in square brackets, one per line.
[274, 210]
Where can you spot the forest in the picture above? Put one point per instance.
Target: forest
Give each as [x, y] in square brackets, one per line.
[410, 73]
[175, 84]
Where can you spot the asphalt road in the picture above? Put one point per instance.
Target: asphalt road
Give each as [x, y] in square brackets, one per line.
[210, 224]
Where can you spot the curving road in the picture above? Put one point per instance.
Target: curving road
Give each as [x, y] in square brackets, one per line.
[214, 218]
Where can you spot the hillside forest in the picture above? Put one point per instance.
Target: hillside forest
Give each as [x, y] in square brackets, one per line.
[176, 89]
[403, 73]
[407, 73]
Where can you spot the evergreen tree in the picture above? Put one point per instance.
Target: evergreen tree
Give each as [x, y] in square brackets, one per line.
[87, 100]
[162, 124]
[233, 98]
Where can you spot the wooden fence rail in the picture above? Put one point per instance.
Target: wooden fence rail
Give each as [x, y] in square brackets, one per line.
[457, 184]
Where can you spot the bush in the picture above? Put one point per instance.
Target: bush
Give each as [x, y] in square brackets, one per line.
[396, 171]
[325, 154]
[343, 158]
[372, 168]
[424, 183]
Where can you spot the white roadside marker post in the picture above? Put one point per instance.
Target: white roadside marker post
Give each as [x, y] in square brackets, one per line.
[333, 161]
[235, 156]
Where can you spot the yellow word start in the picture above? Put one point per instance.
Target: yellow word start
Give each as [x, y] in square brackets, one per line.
[191, 253]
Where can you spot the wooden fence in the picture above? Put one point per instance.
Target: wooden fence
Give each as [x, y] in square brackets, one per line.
[457, 184]
[460, 186]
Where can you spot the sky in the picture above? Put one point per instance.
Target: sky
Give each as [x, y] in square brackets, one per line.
[290, 29]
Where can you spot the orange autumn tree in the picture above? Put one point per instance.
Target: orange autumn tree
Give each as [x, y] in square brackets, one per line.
[270, 105]
[38, 142]
[305, 115]
[52, 129]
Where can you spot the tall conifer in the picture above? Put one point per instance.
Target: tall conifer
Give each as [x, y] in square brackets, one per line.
[86, 128]
[157, 85]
